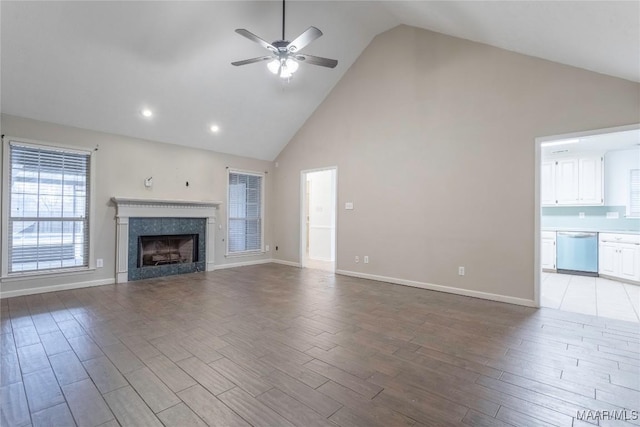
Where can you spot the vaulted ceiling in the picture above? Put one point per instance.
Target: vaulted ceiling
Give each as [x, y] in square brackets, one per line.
[95, 65]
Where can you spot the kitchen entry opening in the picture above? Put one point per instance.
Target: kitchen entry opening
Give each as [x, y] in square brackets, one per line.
[318, 219]
[587, 225]
[167, 249]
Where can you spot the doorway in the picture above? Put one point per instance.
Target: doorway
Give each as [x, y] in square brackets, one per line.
[587, 220]
[318, 219]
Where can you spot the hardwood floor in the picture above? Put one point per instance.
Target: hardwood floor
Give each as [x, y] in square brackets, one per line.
[271, 345]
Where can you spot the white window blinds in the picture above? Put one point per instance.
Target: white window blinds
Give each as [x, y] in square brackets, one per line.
[48, 208]
[634, 197]
[245, 212]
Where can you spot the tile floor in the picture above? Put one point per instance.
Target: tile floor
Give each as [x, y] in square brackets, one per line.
[591, 295]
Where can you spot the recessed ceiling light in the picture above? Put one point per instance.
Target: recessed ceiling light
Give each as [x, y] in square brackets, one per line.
[146, 112]
[214, 128]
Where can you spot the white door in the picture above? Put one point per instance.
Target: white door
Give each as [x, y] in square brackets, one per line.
[567, 182]
[590, 182]
[548, 183]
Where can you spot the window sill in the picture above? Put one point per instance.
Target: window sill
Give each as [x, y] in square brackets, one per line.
[244, 254]
[17, 277]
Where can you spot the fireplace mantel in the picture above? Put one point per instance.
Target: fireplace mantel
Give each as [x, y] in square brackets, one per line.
[160, 208]
[128, 207]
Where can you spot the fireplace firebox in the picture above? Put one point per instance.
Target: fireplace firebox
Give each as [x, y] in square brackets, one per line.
[159, 250]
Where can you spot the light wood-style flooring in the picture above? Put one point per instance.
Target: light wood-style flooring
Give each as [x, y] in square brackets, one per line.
[270, 345]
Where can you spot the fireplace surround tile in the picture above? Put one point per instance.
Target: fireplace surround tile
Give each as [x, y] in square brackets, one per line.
[165, 226]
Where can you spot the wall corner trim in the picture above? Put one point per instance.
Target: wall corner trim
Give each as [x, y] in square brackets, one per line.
[56, 288]
[440, 288]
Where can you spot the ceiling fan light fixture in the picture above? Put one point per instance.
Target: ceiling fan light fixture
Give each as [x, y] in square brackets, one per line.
[284, 57]
[274, 66]
[292, 65]
[283, 68]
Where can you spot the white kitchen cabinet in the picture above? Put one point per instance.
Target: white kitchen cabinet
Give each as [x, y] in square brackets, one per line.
[619, 256]
[590, 180]
[629, 261]
[572, 181]
[567, 179]
[548, 183]
[548, 251]
[607, 258]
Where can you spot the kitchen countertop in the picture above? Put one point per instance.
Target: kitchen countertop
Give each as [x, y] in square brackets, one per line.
[590, 230]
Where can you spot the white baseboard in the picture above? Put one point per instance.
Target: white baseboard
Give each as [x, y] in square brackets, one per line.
[283, 262]
[242, 264]
[440, 288]
[55, 288]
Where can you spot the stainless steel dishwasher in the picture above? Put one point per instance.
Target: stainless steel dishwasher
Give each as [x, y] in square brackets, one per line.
[577, 253]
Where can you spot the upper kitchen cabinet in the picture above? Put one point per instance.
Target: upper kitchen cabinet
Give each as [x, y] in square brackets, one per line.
[590, 185]
[572, 181]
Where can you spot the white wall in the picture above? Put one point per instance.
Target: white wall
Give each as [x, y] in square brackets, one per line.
[122, 164]
[433, 137]
[617, 170]
[322, 215]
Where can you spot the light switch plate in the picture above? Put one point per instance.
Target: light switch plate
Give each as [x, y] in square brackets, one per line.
[581, 215]
[348, 205]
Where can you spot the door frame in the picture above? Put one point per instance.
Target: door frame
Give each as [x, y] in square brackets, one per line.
[537, 232]
[303, 237]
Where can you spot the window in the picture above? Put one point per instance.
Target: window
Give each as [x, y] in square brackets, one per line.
[245, 212]
[634, 197]
[48, 205]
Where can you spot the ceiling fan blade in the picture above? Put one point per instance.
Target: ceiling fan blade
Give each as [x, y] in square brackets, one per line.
[300, 42]
[254, 38]
[252, 60]
[317, 60]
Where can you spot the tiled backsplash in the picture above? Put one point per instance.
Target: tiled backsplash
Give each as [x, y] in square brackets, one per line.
[595, 218]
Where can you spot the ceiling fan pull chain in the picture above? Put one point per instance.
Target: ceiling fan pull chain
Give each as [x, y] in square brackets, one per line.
[283, 19]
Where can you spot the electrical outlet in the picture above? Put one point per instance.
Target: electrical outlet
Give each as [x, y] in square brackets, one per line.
[366, 259]
[266, 248]
[460, 271]
[99, 263]
[581, 215]
[357, 258]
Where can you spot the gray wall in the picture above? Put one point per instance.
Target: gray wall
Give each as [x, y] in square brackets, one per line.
[122, 164]
[433, 137]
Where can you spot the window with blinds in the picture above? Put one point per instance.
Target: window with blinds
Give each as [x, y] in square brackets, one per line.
[245, 213]
[48, 221]
[634, 197]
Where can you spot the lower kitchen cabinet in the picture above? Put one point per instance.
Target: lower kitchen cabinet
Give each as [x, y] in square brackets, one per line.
[620, 256]
[548, 252]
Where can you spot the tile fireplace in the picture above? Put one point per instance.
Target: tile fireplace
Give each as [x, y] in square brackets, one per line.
[163, 237]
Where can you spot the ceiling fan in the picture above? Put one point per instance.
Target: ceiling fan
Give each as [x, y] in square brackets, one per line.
[285, 55]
